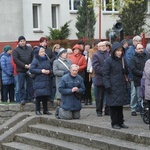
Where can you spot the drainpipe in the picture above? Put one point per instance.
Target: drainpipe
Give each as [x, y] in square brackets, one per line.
[100, 20]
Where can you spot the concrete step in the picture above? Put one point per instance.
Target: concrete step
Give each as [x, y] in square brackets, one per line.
[123, 134]
[19, 146]
[49, 143]
[84, 138]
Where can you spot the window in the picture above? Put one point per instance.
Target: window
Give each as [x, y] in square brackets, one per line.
[55, 16]
[148, 7]
[111, 5]
[36, 16]
[74, 4]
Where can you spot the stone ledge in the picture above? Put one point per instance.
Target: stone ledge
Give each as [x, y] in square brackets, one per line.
[9, 110]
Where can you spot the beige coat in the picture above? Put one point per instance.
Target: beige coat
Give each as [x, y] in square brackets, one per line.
[91, 53]
[147, 79]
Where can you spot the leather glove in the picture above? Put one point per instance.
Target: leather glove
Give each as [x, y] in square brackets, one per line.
[125, 71]
[108, 90]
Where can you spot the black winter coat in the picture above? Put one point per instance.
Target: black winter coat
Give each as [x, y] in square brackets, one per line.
[114, 79]
[22, 56]
[137, 64]
[42, 82]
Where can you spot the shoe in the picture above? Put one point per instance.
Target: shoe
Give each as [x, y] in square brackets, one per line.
[51, 101]
[124, 126]
[90, 103]
[47, 113]
[107, 114]
[86, 103]
[116, 127]
[99, 115]
[133, 113]
[23, 102]
[38, 113]
[57, 111]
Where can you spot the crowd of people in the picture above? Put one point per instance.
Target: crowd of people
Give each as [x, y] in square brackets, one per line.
[69, 74]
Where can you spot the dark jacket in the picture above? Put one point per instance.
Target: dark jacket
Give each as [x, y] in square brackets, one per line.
[22, 56]
[42, 82]
[97, 63]
[115, 80]
[69, 100]
[137, 64]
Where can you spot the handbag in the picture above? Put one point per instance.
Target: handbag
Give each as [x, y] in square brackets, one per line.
[89, 66]
[31, 75]
[128, 82]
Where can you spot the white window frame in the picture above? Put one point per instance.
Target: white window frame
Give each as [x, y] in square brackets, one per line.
[72, 10]
[148, 7]
[104, 10]
[38, 17]
[56, 12]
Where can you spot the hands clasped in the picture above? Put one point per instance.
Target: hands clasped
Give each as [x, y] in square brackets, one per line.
[45, 71]
[75, 89]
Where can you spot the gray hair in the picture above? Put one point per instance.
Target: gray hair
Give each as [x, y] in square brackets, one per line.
[137, 38]
[74, 65]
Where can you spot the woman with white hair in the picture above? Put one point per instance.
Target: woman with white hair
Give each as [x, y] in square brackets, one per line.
[60, 67]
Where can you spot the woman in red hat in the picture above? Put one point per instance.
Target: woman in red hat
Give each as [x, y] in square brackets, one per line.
[77, 58]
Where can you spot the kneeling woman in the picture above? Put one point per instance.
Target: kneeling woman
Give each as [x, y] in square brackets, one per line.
[40, 66]
[115, 84]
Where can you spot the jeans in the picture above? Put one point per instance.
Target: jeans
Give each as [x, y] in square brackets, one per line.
[135, 103]
[25, 87]
[17, 89]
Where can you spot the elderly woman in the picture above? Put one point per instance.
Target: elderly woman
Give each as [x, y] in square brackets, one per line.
[60, 67]
[77, 58]
[41, 67]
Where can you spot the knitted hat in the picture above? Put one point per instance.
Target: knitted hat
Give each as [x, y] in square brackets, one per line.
[61, 50]
[21, 38]
[7, 48]
[77, 46]
[124, 41]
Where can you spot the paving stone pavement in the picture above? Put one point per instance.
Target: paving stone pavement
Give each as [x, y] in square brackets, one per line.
[135, 123]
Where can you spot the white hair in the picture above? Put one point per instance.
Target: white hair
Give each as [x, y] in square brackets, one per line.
[137, 38]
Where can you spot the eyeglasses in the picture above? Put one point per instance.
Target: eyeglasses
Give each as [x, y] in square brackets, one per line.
[140, 48]
[101, 45]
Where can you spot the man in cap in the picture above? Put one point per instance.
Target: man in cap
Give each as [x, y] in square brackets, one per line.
[23, 56]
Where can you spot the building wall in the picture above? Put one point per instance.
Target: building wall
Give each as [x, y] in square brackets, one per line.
[17, 19]
[11, 25]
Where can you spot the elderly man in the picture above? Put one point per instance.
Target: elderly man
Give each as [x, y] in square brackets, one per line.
[128, 56]
[97, 63]
[71, 88]
[137, 64]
